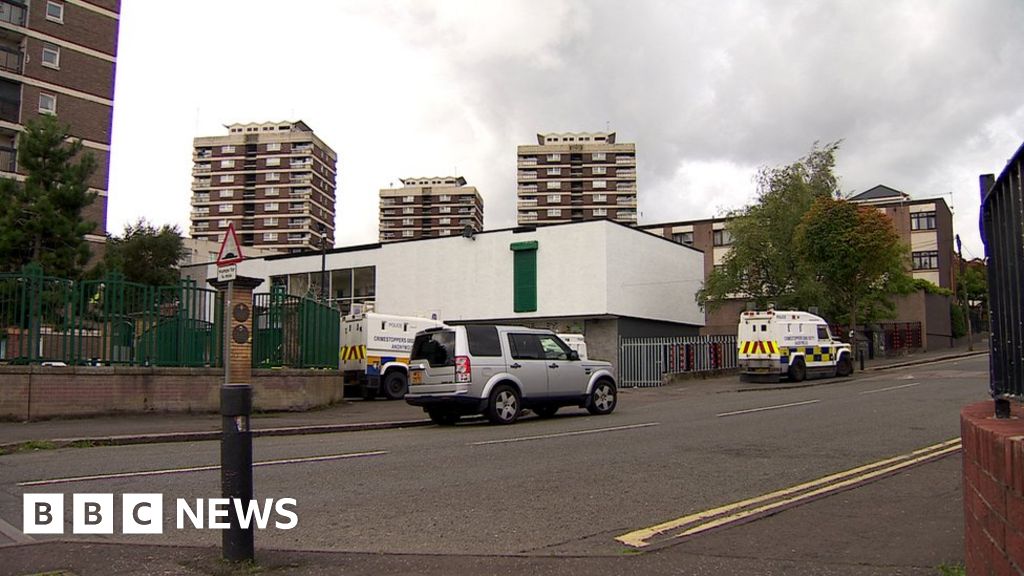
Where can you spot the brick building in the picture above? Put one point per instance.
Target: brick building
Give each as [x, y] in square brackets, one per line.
[58, 57]
[429, 208]
[925, 226]
[575, 177]
[275, 181]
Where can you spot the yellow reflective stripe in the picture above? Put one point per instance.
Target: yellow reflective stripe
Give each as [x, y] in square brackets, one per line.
[352, 353]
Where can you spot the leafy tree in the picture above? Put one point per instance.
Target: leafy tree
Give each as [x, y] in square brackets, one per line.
[41, 218]
[763, 264]
[145, 254]
[974, 281]
[857, 257]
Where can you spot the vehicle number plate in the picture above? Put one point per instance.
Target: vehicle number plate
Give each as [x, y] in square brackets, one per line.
[416, 377]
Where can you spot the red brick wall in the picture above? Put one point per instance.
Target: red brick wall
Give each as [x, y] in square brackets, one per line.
[32, 392]
[993, 481]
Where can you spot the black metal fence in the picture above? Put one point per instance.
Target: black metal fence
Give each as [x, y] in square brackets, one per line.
[1002, 230]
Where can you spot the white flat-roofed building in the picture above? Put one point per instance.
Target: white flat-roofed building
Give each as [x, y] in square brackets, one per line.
[598, 278]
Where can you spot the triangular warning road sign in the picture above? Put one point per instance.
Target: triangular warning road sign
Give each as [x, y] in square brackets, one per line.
[230, 249]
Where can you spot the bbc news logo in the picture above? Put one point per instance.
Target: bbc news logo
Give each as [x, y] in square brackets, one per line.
[144, 513]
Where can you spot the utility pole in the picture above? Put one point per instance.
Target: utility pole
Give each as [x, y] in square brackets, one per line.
[323, 262]
[966, 304]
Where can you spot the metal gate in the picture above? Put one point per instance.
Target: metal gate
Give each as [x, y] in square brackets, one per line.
[1002, 227]
[644, 361]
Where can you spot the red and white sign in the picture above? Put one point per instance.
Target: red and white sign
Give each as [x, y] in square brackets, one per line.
[230, 249]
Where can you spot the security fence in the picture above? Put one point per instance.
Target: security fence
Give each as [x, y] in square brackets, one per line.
[644, 361]
[295, 332]
[901, 337]
[107, 322]
[1002, 227]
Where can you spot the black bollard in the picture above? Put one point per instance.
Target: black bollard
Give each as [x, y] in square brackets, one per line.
[236, 467]
[1002, 408]
[861, 359]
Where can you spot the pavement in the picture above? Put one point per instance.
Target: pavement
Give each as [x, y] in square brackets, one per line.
[346, 416]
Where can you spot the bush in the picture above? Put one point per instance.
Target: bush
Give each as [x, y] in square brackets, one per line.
[958, 323]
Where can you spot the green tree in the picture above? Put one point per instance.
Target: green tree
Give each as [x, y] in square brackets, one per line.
[41, 218]
[145, 254]
[857, 257]
[763, 264]
[974, 281]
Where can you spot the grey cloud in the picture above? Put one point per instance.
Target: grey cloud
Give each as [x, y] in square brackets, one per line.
[904, 84]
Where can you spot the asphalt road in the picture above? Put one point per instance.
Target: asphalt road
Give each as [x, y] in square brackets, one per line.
[569, 486]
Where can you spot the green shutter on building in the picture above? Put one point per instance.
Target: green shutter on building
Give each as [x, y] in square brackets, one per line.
[524, 276]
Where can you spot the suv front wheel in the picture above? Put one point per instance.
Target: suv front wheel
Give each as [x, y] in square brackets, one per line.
[602, 398]
[503, 406]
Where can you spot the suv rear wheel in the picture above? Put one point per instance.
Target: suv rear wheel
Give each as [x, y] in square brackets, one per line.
[504, 405]
[602, 398]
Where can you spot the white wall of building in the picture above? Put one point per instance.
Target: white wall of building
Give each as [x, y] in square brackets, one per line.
[650, 276]
[465, 279]
[587, 269]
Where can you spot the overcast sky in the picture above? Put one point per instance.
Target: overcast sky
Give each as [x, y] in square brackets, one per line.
[925, 95]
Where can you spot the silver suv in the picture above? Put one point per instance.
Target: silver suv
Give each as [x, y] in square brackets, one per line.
[500, 370]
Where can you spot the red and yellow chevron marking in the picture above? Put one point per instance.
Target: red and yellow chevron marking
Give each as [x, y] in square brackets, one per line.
[352, 353]
[759, 347]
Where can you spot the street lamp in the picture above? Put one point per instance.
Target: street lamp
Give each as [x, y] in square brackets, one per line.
[963, 285]
[323, 261]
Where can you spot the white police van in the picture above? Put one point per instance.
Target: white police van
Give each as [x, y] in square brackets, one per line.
[776, 343]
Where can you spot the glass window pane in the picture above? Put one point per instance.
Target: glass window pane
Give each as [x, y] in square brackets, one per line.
[341, 283]
[364, 282]
[553, 349]
[298, 284]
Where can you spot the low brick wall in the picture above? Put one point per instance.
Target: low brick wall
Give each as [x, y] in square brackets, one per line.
[993, 483]
[33, 392]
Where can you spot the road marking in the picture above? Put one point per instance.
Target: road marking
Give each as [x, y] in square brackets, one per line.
[891, 388]
[738, 511]
[563, 434]
[17, 536]
[724, 414]
[197, 469]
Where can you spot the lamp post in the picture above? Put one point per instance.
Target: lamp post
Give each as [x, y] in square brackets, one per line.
[967, 308]
[323, 261]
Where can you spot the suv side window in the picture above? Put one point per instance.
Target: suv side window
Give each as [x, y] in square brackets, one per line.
[483, 340]
[437, 348]
[823, 332]
[525, 347]
[553, 348]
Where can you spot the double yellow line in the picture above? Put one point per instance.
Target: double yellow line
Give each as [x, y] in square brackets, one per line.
[775, 501]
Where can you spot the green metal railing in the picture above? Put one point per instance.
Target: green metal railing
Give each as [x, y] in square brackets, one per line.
[294, 332]
[107, 322]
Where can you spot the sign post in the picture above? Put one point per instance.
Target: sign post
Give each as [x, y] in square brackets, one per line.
[237, 543]
[228, 257]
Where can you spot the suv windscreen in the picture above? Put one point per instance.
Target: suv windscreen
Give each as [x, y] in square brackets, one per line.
[483, 340]
[437, 348]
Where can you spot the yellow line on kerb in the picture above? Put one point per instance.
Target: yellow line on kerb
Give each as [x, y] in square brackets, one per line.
[641, 538]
